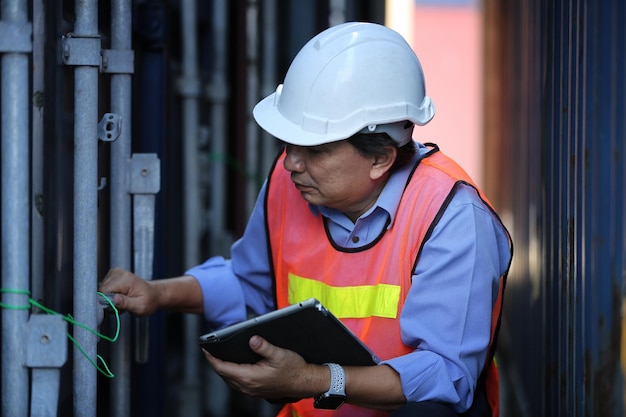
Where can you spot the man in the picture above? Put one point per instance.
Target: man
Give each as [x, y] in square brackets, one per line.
[391, 235]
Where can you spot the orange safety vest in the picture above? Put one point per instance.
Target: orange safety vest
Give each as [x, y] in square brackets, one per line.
[365, 287]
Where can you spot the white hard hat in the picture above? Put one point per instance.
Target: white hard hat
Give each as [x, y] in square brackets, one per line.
[351, 77]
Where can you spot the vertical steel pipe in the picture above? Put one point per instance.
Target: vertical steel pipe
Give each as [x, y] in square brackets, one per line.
[189, 87]
[121, 35]
[268, 75]
[337, 13]
[218, 393]
[37, 233]
[15, 217]
[85, 215]
[253, 132]
[218, 96]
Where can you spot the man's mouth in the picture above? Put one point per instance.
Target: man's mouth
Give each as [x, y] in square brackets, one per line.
[302, 187]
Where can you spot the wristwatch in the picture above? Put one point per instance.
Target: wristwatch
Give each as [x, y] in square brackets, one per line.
[336, 394]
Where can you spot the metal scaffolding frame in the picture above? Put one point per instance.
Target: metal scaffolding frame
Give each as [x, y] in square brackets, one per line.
[31, 377]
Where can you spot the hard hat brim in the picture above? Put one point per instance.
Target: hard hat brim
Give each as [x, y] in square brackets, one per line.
[270, 119]
[273, 122]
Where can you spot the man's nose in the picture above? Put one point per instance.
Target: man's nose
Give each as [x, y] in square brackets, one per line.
[293, 160]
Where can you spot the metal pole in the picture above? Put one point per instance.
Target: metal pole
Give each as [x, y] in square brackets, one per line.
[268, 76]
[269, 147]
[337, 13]
[15, 216]
[218, 92]
[189, 88]
[37, 233]
[85, 215]
[252, 131]
[217, 392]
[121, 202]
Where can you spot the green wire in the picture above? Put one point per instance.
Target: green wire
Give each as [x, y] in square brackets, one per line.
[12, 307]
[106, 371]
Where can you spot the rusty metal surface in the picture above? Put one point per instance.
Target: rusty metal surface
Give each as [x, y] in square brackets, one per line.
[555, 166]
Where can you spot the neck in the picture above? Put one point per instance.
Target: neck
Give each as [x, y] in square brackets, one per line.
[367, 203]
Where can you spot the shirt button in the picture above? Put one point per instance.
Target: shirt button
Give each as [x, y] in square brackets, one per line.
[355, 239]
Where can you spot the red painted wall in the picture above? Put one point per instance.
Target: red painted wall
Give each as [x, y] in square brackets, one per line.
[448, 41]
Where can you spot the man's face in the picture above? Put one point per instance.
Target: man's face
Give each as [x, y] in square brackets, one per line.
[334, 175]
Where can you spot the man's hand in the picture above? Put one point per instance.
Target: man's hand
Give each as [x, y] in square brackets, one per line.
[142, 298]
[131, 292]
[281, 373]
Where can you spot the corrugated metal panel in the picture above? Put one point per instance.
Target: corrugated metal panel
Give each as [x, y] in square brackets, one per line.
[559, 95]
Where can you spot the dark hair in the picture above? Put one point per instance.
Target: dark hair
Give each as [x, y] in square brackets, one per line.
[375, 144]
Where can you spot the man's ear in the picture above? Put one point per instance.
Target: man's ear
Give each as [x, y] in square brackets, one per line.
[382, 164]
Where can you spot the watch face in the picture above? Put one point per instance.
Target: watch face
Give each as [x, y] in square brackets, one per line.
[329, 402]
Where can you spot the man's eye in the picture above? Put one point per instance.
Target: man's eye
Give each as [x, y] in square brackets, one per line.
[315, 150]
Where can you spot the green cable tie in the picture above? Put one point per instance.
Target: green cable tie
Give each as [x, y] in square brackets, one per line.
[106, 371]
[14, 307]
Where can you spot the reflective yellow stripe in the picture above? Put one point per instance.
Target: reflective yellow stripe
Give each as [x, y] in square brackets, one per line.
[379, 300]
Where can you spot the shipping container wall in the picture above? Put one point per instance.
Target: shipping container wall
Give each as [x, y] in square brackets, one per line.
[555, 141]
[90, 90]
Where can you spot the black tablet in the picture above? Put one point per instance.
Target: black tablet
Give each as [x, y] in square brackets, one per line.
[307, 328]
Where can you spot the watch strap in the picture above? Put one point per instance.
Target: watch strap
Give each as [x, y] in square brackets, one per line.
[337, 380]
[336, 394]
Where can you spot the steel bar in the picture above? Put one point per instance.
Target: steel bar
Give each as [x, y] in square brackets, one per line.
[85, 214]
[218, 393]
[218, 93]
[121, 85]
[37, 176]
[190, 88]
[15, 217]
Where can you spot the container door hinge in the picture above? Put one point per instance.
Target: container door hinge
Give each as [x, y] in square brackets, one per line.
[145, 183]
[118, 61]
[81, 50]
[46, 353]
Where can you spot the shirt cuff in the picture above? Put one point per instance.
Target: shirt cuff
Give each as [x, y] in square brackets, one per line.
[425, 377]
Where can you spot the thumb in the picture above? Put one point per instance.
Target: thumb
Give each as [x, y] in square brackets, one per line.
[131, 304]
[261, 346]
[120, 301]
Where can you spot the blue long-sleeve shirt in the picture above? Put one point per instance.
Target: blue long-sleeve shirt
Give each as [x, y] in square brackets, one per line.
[447, 312]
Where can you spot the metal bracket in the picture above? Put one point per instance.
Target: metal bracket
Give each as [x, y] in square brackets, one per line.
[118, 61]
[16, 37]
[81, 50]
[110, 127]
[46, 341]
[144, 183]
[145, 174]
[46, 353]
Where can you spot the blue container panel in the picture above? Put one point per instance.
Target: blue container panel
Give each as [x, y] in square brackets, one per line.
[563, 186]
